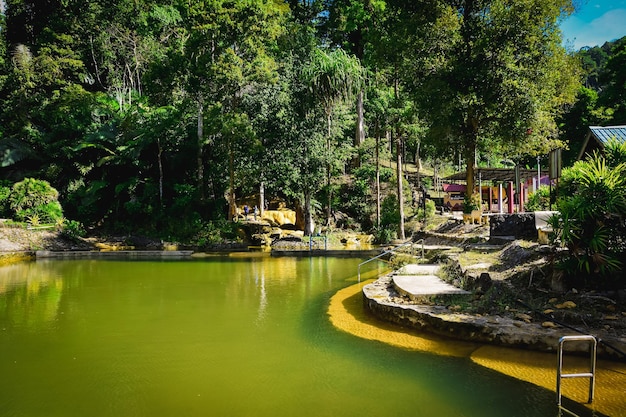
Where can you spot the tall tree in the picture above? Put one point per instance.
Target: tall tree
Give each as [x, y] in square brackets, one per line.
[333, 77]
[498, 80]
[351, 24]
[227, 48]
[614, 93]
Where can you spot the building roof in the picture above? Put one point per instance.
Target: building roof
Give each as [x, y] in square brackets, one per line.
[601, 135]
[452, 188]
[604, 134]
[497, 174]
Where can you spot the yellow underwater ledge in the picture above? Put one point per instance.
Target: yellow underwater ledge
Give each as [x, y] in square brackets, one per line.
[346, 313]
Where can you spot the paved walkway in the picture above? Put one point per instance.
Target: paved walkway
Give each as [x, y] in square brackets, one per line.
[418, 281]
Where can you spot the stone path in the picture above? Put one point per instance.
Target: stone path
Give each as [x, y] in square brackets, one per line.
[419, 281]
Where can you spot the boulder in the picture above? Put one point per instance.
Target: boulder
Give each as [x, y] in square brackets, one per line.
[519, 225]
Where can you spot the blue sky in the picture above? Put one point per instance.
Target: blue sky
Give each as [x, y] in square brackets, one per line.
[596, 22]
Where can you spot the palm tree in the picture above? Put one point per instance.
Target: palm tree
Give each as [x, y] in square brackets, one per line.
[333, 77]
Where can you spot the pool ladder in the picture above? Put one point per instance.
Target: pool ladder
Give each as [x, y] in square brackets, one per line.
[592, 365]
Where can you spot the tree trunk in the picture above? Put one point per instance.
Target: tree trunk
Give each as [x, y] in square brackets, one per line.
[308, 214]
[262, 198]
[359, 136]
[232, 207]
[328, 173]
[377, 178]
[160, 162]
[470, 155]
[200, 167]
[401, 234]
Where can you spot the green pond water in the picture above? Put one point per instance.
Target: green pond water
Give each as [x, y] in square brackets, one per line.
[219, 336]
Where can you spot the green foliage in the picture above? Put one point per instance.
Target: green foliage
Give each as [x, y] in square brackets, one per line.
[472, 203]
[5, 192]
[33, 199]
[539, 200]
[384, 235]
[614, 93]
[147, 114]
[430, 210]
[389, 220]
[591, 221]
[73, 229]
[215, 233]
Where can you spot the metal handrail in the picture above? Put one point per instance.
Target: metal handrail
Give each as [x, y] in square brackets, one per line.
[385, 253]
[592, 365]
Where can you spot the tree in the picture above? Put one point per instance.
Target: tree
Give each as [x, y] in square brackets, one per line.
[575, 121]
[498, 80]
[351, 25]
[332, 77]
[614, 93]
[227, 48]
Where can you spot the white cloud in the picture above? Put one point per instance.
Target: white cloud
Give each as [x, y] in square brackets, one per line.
[607, 27]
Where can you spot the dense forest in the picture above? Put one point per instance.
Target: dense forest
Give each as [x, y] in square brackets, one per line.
[165, 116]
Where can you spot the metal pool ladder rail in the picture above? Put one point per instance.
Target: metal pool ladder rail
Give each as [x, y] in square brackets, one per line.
[592, 365]
[386, 252]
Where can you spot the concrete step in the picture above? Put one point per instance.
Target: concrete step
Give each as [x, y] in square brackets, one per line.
[420, 288]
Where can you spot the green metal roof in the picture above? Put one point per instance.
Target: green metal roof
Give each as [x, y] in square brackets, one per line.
[604, 134]
[601, 135]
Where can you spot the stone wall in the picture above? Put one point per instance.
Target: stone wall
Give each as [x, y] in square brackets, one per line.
[381, 299]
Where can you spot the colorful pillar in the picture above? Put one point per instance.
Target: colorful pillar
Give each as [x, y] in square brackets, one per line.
[510, 197]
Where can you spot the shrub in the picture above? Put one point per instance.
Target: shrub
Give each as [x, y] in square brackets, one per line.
[384, 235]
[591, 221]
[33, 198]
[73, 229]
[390, 211]
[539, 200]
[430, 210]
[5, 191]
[471, 203]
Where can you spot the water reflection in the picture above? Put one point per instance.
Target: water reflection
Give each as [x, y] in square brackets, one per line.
[29, 296]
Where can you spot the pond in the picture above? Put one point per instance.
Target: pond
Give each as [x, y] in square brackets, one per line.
[219, 336]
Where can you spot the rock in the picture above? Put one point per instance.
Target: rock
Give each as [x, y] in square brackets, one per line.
[480, 284]
[566, 304]
[280, 216]
[520, 225]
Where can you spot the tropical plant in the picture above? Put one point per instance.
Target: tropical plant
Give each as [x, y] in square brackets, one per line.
[73, 229]
[332, 78]
[591, 222]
